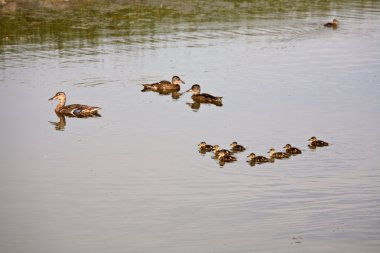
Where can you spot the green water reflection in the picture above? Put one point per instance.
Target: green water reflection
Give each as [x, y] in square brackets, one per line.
[24, 22]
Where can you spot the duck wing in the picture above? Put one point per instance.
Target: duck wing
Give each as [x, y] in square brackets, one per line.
[79, 110]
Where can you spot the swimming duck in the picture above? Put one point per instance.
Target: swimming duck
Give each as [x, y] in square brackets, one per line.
[218, 151]
[223, 157]
[203, 146]
[257, 159]
[164, 85]
[333, 24]
[292, 150]
[278, 155]
[74, 109]
[316, 143]
[203, 97]
[236, 147]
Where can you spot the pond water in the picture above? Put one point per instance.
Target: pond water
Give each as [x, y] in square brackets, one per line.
[133, 179]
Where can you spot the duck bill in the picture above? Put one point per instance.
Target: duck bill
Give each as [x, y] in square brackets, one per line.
[189, 90]
[182, 81]
[52, 98]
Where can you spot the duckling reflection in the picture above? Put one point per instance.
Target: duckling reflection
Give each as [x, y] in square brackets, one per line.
[61, 124]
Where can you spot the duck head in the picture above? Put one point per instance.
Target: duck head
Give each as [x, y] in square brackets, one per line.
[233, 144]
[195, 89]
[313, 138]
[61, 96]
[251, 156]
[177, 80]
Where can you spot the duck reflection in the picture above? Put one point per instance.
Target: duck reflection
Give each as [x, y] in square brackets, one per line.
[174, 94]
[61, 124]
[195, 106]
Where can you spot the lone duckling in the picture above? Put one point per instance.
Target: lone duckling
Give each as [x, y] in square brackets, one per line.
[223, 157]
[333, 24]
[257, 159]
[203, 97]
[278, 155]
[203, 146]
[164, 85]
[236, 147]
[74, 109]
[218, 151]
[292, 150]
[316, 143]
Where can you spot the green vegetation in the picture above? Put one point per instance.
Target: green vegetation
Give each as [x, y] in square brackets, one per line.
[41, 21]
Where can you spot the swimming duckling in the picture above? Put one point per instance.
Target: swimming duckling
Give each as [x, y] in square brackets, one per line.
[203, 97]
[333, 24]
[205, 147]
[316, 143]
[257, 159]
[218, 151]
[278, 155]
[74, 109]
[223, 157]
[292, 150]
[236, 147]
[164, 85]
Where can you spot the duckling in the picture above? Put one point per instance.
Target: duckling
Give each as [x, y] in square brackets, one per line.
[223, 157]
[316, 143]
[203, 97]
[278, 155]
[74, 109]
[203, 146]
[257, 159]
[218, 151]
[164, 85]
[292, 150]
[236, 147]
[333, 24]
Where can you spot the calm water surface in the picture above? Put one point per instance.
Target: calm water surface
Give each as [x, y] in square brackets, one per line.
[133, 180]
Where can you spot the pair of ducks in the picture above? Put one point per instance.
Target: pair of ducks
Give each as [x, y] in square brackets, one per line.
[174, 86]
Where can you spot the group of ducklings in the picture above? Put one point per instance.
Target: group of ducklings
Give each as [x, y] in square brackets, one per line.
[227, 155]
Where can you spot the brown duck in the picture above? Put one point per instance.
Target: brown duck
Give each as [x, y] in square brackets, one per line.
[257, 159]
[203, 97]
[278, 155]
[292, 150]
[74, 109]
[164, 85]
[333, 24]
[316, 143]
[235, 147]
[203, 146]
